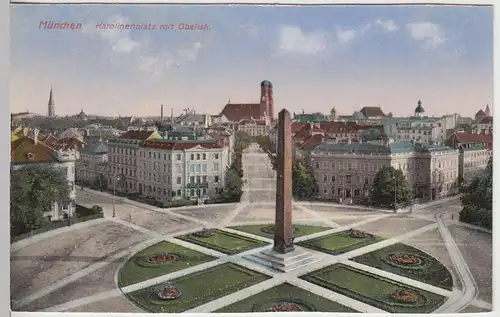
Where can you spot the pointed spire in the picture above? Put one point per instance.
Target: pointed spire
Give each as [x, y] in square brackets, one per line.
[51, 97]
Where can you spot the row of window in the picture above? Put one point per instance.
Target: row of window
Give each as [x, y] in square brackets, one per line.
[350, 166]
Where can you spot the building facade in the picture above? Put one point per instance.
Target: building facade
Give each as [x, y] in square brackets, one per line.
[92, 167]
[171, 169]
[30, 151]
[345, 172]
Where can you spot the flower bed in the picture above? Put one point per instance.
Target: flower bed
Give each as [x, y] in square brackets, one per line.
[289, 305]
[358, 234]
[205, 233]
[166, 292]
[406, 298]
[405, 260]
[272, 229]
[158, 259]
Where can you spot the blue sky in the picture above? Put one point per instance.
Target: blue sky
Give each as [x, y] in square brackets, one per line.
[317, 57]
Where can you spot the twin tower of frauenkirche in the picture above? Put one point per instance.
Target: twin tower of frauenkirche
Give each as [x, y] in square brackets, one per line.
[266, 98]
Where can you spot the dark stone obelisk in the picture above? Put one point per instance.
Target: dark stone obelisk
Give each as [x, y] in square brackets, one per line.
[283, 236]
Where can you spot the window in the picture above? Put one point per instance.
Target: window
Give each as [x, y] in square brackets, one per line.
[192, 192]
[198, 168]
[178, 180]
[173, 194]
[179, 157]
[333, 165]
[179, 193]
[149, 154]
[325, 178]
[333, 178]
[192, 157]
[204, 179]
[366, 180]
[191, 180]
[198, 179]
[216, 179]
[317, 164]
[204, 168]
[198, 156]
[349, 166]
[216, 156]
[216, 166]
[204, 156]
[325, 164]
[191, 168]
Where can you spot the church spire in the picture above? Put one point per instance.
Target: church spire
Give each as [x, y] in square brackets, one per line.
[51, 106]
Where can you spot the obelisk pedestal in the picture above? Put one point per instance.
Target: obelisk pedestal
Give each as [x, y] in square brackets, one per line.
[284, 256]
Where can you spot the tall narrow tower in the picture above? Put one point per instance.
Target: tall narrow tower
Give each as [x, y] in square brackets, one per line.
[161, 113]
[51, 111]
[266, 98]
[487, 110]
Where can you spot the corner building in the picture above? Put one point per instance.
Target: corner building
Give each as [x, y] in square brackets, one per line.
[345, 172]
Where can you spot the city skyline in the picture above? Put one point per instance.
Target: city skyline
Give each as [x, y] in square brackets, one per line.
[317, 58]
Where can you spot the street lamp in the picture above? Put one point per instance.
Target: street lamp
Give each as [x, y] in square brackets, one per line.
[395, 192]
[115, 178]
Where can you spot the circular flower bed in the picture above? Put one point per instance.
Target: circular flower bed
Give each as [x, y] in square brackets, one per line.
[405, 260]
[271, 229]
[167, 292]
[405, 296]
[358, 234]
[291, 305]
[162, 258]
[205, 233]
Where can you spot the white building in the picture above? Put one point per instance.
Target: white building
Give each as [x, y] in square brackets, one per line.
[181, 168]
[92, 167]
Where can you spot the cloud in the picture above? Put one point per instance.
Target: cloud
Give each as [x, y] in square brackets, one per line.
[121, 43]
[118, 39]
[387, 25]
[294, 40]
[344, 36]
[430, 33]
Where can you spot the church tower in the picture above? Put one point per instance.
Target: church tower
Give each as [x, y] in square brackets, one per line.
[487, 111]
[266, 99]
[51, 111]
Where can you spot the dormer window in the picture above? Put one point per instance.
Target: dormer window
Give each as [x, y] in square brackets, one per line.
[30, 156]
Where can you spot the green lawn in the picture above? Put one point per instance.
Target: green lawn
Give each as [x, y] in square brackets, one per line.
[199, 288]
[431, 271]
[285, 292]
[225, 242]
[338, 243]
[132, 272]
[371, 289]
[300, 230]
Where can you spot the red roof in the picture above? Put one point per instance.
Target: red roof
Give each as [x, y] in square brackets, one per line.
[136, 135]
[311, 142]
[67, 144]
[487, 120]
[480, 113]
[471, 138]
[372, 112]
[236, 112]
[180, 145]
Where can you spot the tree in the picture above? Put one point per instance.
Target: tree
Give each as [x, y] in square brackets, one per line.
[34, 190]
[477, 200]
[233, 186]
[390, 188]
[100, 181]
[303, 183]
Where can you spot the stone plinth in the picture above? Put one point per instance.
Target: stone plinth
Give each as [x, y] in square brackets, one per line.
[285, 262]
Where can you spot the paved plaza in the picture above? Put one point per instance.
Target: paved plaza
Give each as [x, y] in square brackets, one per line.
[76, 269]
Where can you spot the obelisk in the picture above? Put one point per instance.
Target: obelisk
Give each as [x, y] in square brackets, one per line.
[283, 235]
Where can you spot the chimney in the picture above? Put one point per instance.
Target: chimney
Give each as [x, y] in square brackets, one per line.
[161, 113]
[35, 136]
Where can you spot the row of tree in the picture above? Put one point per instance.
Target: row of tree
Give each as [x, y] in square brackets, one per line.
[477, 200]
[233, 187]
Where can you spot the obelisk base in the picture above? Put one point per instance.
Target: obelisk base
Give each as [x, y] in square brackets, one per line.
[281, 247]
[285, 262]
